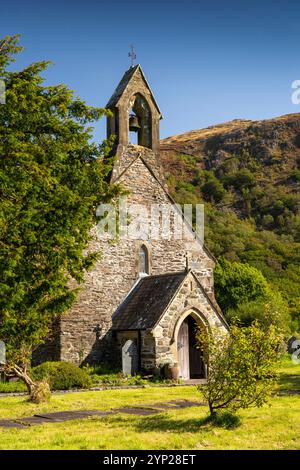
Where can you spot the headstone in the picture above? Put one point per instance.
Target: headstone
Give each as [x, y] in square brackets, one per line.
[2, 353]
[130, 358]
[293, 344]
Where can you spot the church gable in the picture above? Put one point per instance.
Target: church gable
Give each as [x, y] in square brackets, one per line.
[133, 81]
[128, 158]
[191, 297]
[134, 109]
[157, 302]
[142, 184]
[139, 175]
[174, 334]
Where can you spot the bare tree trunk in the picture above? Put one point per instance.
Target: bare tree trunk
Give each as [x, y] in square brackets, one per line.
[22, 374]
[211, 409]
[38, 391]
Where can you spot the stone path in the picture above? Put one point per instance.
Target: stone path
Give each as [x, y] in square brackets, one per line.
[61, 416]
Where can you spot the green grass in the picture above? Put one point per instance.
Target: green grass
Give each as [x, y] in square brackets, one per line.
[274, 426]
[289, 375]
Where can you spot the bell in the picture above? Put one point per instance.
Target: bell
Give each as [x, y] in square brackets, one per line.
[134, 123]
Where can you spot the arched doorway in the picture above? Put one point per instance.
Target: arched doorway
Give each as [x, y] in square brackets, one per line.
[190, 358]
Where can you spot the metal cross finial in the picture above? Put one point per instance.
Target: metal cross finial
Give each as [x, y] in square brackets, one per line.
[132, 54]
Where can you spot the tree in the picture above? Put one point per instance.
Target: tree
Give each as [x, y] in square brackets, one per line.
[245, 296]
[242, 367]
[238, 283]
[52, 179]
[240, 180]
[213, 189]
[269, 310]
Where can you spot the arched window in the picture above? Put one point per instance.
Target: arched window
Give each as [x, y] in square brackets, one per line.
[144, 260]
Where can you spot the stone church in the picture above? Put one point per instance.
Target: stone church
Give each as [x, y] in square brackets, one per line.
[141, 303]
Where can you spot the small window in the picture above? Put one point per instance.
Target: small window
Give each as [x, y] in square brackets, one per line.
[144, 260]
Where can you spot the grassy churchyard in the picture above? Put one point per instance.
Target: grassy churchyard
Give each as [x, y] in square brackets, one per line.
[274, 426]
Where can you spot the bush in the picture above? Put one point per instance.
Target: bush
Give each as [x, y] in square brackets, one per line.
[62, 375]
[242, 367]
[12, 387]
[295, 175]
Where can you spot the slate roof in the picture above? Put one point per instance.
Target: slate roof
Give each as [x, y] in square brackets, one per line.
[123, 84]
[147, 301]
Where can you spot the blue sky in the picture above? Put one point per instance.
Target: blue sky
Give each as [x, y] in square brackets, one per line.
[207, 62]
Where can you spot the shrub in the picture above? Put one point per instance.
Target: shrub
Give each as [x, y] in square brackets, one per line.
[295, 175]
[62, 375]
[242, 367]
[12, 387]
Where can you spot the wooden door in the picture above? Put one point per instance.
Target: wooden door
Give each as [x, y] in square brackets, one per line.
[183, 350]
[195, 355]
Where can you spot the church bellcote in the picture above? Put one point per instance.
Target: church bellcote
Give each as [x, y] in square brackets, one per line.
[134, 111]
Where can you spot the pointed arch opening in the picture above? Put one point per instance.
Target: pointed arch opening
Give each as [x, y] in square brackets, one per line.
[192, 359]
[140, 121]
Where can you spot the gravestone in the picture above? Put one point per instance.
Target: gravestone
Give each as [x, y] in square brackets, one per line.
[2, 360]
[130, 358]
[2, 353]
[293, 344]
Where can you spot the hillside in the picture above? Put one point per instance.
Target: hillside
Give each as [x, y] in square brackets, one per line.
[248, 174]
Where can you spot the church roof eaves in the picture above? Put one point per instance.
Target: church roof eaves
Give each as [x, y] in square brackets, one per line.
[147, 301]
